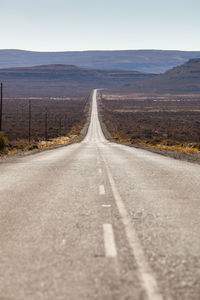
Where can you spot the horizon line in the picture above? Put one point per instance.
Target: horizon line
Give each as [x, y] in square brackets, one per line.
[96, 50]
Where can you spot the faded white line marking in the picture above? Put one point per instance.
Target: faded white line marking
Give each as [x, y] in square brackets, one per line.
[106, 205]
[145, 273]
[109, 241]
[64, 242]
[100, 171]
[102, 190]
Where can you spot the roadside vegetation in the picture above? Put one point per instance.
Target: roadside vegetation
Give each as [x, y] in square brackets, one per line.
[31, 124]
[169, 122]
[3, 142]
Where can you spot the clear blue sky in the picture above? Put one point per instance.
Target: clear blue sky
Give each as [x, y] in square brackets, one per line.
[62, 25]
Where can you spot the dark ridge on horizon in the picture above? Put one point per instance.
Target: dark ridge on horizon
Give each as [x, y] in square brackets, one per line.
[182, 79]
[148, 61]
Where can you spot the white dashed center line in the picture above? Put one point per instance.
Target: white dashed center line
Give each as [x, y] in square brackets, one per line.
[106, 205]
[102, 190]
[145, 273]
[109, 241]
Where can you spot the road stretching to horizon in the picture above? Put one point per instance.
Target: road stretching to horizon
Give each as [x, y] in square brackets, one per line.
[99, 220]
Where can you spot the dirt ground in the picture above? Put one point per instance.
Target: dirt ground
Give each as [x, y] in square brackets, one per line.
[160, 121]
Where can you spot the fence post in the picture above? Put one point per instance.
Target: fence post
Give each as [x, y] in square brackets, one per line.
[65, 122]
[30, 117]
[1, 107]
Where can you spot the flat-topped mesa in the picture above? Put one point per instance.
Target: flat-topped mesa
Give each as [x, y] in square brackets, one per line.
[60, 80]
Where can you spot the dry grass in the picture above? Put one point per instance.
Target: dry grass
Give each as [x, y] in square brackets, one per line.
[24, 145]
[170, 122]
[176, 148]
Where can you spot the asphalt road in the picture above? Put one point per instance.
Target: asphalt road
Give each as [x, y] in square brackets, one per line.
[98, 220]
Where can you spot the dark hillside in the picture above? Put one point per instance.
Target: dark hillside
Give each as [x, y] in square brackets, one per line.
[181, 79]
[62, 80]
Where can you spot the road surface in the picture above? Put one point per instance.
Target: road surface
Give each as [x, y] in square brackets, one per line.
[98, 220]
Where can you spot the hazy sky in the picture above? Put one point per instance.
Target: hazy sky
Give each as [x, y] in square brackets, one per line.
[61, 25]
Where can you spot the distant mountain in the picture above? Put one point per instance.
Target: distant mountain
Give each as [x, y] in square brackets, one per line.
[181, 79]
[149, 61]
[63, 80]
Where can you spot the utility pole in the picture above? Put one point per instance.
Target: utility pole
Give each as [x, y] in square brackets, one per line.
[46, 120]
[29, 127]
[1, 107]
[60, 126]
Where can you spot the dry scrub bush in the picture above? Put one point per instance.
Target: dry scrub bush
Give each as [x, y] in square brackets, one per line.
[3, 141]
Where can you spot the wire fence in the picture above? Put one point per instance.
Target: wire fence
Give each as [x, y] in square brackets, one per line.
[41, 119]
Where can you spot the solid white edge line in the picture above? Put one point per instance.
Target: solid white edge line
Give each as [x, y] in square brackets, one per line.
[109, 241]
[145, 273]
